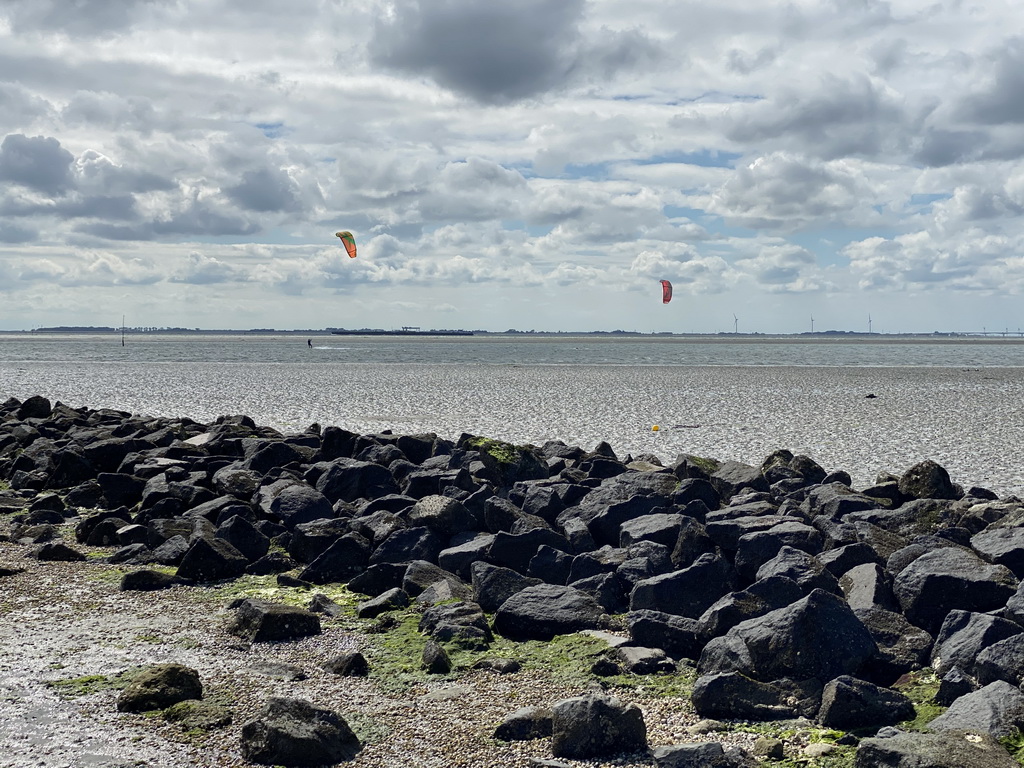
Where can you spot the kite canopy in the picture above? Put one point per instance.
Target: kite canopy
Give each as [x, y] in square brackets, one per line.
[349, 241]
[666, 291]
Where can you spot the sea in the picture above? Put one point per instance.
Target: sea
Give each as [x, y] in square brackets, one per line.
[869, 405]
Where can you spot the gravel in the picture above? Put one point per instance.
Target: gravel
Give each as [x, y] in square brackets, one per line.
[62, 621]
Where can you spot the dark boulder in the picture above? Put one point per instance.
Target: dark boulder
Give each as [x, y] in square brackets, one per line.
[546, 610]
[688, 592]
[525, 724]
[927, 480]
[408, 544]
[848, 703]
[932, 750]
[292, 502]
[965, 634]
[596, 726]
[148, 581]
[493, 584]
[158, 687]
[997, 709]
[761, 597]
[264, 621]
[244, 536]
[676, 635]
[1002, 661]
[343, 559]
[348, 664]
[349, 480]
[293, 732]
[949, 579]
[735, 696]
[211, 560]
[815, 637]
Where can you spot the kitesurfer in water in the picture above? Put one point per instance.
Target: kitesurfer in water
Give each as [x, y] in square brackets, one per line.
[309, 343]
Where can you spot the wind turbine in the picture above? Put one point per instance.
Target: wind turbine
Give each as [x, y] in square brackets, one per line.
[812, 323]
[869, 323]
[735, 323]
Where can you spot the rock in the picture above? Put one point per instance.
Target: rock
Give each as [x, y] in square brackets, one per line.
[734, 696]
[264, 621]
[525, 724]
[816, 637]
[964, 635]
[211, 560]
[293, 732]
[292, 502]
[688, 592]
[848, 703]
[435, 659]
[158, 687]
[761, 597]
[596, 726]
[198, 715]
[244, 536]
[933, 750]
[460, 623]
[348, 664]
[1003, 546]
[346, 557]
[442, 514]
[56, 551]
[953, 685]
[948, 579]
[704, 755]
[545, 610]
[321, 603]
[927, 480]
[393, 600]
[493, 584]
[643, 661]
[1002, 661]
[996, 709]
[676, 635]
[408, 544]
[148, 581]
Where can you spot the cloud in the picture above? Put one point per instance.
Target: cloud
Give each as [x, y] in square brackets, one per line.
[200, 269]
[76, 19]
[491, 52]
[39, 163]
[498, 53]
[841, 117]
[265, 190]
[787, 192]
[999, 99]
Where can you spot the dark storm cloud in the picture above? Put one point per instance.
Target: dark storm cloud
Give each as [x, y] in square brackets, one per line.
[75, 18]
[39, 163]
[1002, 100]
[265, 190]
[492, 52]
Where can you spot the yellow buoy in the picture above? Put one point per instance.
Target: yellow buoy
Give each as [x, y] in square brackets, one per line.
[654, 428]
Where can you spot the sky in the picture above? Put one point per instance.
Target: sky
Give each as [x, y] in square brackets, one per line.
[535, 164]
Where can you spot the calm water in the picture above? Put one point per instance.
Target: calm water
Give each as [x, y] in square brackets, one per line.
[504, 350]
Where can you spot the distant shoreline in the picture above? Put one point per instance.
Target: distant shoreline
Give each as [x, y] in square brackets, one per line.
[991, 336]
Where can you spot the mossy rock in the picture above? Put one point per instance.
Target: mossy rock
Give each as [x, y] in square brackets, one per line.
[194, 714]
[511, 463]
